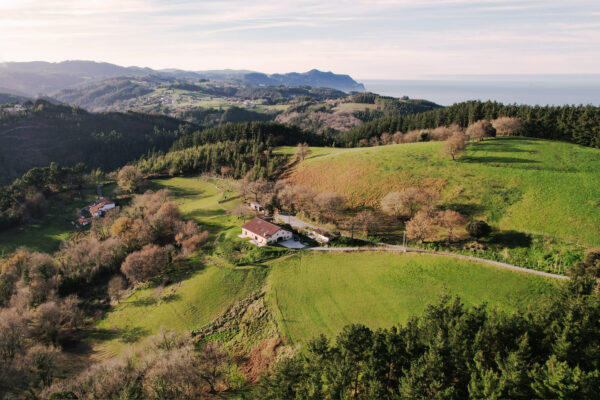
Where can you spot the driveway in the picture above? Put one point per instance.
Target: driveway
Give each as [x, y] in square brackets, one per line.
[292, 244]
[294, 222]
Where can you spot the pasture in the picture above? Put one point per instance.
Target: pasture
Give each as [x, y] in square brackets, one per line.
[314, 293]
[521, 184]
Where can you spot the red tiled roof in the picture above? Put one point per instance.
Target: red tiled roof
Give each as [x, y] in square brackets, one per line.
[261, 227]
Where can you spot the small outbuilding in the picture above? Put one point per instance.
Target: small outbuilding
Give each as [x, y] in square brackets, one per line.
[256, 206]
[320, 235]
[263, 233]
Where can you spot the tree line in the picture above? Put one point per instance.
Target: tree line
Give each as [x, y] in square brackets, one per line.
[232, 158]
[577, 124]
[271, 133]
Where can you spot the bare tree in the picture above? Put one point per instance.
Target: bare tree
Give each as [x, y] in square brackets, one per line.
[302, 151]
[420, 227]
[450, 220]
[507, 126]
[367, 221]
[480, 130]
[55, 321]
[455, 145]
[386, 138]
[116, 285]
[13, 334]
[259, 187]
[398, 137]
[213, 363]
[407, 202]
[141, 265]
[130, 179]
[392, 204]
[330, 204]
[242, 211]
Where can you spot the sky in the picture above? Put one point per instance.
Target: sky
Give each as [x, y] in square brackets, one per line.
[368, 39]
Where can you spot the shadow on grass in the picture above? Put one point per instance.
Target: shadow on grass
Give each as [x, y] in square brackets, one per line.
[102, 334]
[467, 209]
[501, 160]
[132, 335]
[510, 239]
[169, 297]
[176, 190]
[202, 213]
[145, 302]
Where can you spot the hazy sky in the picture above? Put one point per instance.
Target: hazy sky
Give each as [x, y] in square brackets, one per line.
[364, 38]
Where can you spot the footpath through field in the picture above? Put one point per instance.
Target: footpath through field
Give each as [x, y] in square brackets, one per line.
[297, 223]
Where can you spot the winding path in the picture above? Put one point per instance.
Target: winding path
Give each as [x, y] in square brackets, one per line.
[295, 222]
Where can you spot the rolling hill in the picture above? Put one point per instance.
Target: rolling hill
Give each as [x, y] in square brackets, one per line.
[517, 184]
[54, 133]
[307, 293]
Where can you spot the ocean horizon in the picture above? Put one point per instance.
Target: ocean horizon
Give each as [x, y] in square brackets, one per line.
[543, 90]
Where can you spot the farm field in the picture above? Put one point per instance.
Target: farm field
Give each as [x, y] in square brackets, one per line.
[314, 293]
[46, 234]
[521, 184]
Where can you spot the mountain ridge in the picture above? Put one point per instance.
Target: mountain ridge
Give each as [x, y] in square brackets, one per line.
[37, 78]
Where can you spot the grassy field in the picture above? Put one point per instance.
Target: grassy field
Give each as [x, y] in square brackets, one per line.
[183, 306]
[522, 184]
[46, 234]
[321, 293]
[205, 200]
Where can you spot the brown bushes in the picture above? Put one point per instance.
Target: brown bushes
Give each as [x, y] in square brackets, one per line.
[146, 263]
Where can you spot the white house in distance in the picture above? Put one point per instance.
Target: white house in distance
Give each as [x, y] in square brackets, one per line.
[263, 233]
[101, 206]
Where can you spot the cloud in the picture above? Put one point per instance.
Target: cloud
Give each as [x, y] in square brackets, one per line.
[372, 38]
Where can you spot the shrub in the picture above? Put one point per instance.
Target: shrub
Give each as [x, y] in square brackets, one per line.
[479, 229]
[146, 263]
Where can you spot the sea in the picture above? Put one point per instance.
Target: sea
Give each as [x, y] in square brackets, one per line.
[507, 89]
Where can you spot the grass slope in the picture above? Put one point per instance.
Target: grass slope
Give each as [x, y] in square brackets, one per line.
[182, 306]
[198, 299]
[522, 184]
[321, 293]
[204, 200]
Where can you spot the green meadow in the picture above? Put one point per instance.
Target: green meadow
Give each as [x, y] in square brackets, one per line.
[521, 184]
[181, 306]
[314, 293]
[205, 200]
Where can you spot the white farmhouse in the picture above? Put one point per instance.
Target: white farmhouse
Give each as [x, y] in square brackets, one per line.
[102, 205]
[256, 206]
[263, 233]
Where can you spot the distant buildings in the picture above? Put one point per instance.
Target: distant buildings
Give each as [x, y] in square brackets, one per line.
[263, 233]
